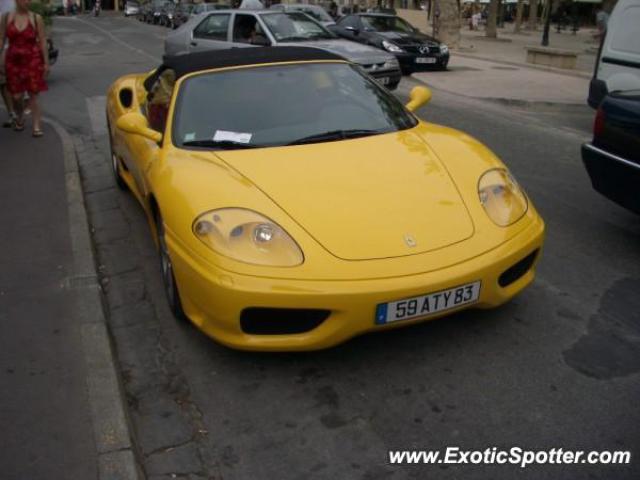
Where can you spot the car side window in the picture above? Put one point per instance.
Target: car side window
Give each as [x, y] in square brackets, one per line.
[214, 27]
[246, 28]
[159, 99]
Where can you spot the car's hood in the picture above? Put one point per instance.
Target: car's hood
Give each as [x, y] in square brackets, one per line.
[400, 38]
[352, 51]
[369, 198]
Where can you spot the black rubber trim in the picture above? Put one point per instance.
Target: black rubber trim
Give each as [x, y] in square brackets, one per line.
[624, 63]
[281, 321]
[237, 57]
[516, 271]
[600, 47]
[597, 91]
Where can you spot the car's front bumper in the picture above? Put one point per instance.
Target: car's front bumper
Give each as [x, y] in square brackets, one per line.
[214, 299]
[409, 64]
[614, 177]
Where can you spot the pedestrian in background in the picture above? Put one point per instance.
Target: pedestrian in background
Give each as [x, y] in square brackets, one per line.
[6, 6]
[26, 61]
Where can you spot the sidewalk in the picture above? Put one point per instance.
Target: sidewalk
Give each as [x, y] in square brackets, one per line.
[483, 79]
[496, 69]
[60, 408]
[510, 47]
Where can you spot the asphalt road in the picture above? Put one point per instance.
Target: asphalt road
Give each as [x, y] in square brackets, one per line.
[556, 367]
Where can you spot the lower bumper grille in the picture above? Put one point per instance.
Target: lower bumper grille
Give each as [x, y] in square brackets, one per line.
[516, 271]
[281, 321]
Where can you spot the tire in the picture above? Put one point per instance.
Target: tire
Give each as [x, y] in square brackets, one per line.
[166, 269]
[115, 164]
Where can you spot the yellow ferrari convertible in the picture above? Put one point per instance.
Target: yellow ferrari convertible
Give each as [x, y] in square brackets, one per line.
[296, 203]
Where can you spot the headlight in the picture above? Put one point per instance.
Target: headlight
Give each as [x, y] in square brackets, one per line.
[444, 48]
[501, 197]
[391, 47]
[248, 237]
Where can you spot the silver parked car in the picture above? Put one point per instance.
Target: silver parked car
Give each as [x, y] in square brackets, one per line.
[246, 28]
[131, 8]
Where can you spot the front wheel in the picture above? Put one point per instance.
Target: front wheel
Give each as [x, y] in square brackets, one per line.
[168, 278]
[115, 163]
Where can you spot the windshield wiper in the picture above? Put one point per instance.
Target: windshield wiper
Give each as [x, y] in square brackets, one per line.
[297, 38]
[335, 135]
[319, 35]
[221, 144]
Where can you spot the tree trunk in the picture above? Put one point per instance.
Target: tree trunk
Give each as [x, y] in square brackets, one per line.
[519, 10]
[446, 23]
[492, 18]
[533, 15]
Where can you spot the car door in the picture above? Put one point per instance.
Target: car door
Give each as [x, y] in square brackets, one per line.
[211, 33]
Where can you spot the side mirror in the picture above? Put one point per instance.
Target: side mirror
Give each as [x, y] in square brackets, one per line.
[136, 123]
[353, 30]
[418, 97]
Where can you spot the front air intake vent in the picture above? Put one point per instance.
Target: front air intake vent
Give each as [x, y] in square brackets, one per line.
[281, 321]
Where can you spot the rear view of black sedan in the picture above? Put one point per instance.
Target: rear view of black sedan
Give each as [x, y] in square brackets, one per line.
[612, 159]
[414, 50]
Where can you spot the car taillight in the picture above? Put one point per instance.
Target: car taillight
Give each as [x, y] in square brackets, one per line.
[598, 123]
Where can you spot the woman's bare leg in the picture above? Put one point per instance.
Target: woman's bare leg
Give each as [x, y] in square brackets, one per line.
[36, 113]
[18, 108]
[8, 101]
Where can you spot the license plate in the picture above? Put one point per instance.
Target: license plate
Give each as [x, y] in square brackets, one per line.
[428, 304]
[425, 60]
[383, 80]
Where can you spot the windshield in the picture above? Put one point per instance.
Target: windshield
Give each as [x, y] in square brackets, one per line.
[317, 13]
[385, 24]
[282, 105]
[294, 27]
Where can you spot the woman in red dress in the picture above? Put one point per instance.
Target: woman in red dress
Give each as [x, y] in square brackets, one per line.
[26, 61]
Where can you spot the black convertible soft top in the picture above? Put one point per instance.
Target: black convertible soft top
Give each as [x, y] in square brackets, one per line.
[236, 57]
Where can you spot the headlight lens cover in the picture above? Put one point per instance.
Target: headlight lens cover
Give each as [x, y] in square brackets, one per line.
[501, 196]
[443, 48]
[248, 237]
[391, 47]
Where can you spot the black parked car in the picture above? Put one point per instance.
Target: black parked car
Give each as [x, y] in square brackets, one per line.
[612, 158]
[414, 50]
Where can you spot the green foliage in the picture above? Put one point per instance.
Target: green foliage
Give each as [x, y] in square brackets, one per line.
[43, 10]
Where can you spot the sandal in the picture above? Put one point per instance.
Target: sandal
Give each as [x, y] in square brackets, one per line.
[18, 126]
[37, 132]
[10, 123]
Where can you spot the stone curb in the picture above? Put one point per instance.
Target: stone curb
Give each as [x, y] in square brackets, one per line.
[533, 105]
[112, 436]
[559, 71]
